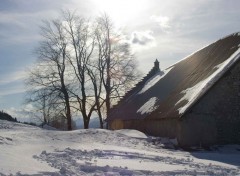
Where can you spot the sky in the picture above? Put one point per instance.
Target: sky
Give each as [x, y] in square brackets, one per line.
[167, 30]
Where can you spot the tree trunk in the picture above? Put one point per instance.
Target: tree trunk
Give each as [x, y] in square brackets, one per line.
[100, 121]
[99, 115]
[86, 123]
[108, 85]
[68, 113]
[69, 119]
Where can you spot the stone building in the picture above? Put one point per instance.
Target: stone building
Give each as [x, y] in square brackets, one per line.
[196, 100]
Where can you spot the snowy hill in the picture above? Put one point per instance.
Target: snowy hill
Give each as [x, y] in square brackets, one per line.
[28, 150]
[6, 116]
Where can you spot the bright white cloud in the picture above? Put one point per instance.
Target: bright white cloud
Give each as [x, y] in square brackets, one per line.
[162, 21]
[121, 11]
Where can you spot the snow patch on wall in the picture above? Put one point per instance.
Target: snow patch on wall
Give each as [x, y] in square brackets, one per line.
[218, 66]
[152, 81]
[192, 94]
[149, 106]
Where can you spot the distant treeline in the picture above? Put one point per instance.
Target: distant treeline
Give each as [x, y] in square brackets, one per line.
[6, 116]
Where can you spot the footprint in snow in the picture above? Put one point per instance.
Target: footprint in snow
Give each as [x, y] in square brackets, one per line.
[9, 139]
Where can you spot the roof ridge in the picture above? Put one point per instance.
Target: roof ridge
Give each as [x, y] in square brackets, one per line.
[188, 82]
[205, 46]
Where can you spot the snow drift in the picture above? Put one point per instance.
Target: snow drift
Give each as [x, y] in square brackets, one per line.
[28, 150]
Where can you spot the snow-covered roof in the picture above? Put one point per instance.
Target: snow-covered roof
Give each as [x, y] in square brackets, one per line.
[177, 88]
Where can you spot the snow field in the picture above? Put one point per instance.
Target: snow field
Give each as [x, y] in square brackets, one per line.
[27, 150]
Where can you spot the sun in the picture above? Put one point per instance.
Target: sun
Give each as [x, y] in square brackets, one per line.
[121, 11]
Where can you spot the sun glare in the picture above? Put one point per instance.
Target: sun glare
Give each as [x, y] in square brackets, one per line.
[121, 11]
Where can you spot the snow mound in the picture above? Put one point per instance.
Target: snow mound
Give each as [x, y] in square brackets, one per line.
[132, 133]
[47, 127]
[28, 150]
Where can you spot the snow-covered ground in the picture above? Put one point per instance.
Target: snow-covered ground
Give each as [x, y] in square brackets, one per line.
[28, 150]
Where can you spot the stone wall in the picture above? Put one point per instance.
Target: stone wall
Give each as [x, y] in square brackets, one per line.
[196, 130]
[215, 118]
[161, 127]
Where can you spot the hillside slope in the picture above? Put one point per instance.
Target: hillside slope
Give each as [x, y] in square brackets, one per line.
[6, 116]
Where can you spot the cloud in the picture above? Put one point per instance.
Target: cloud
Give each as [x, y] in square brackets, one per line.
[13, 76]
[16, 29]
[13, 89]
[12, 83]
[22, 114]
[142, 38]
[162, 21]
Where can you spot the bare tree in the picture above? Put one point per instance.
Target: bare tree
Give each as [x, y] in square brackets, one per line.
[116, 64]
[102, 63]
[45, 108]
[97, 82]
[82, 44]
[50, 73]
[82, 65]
